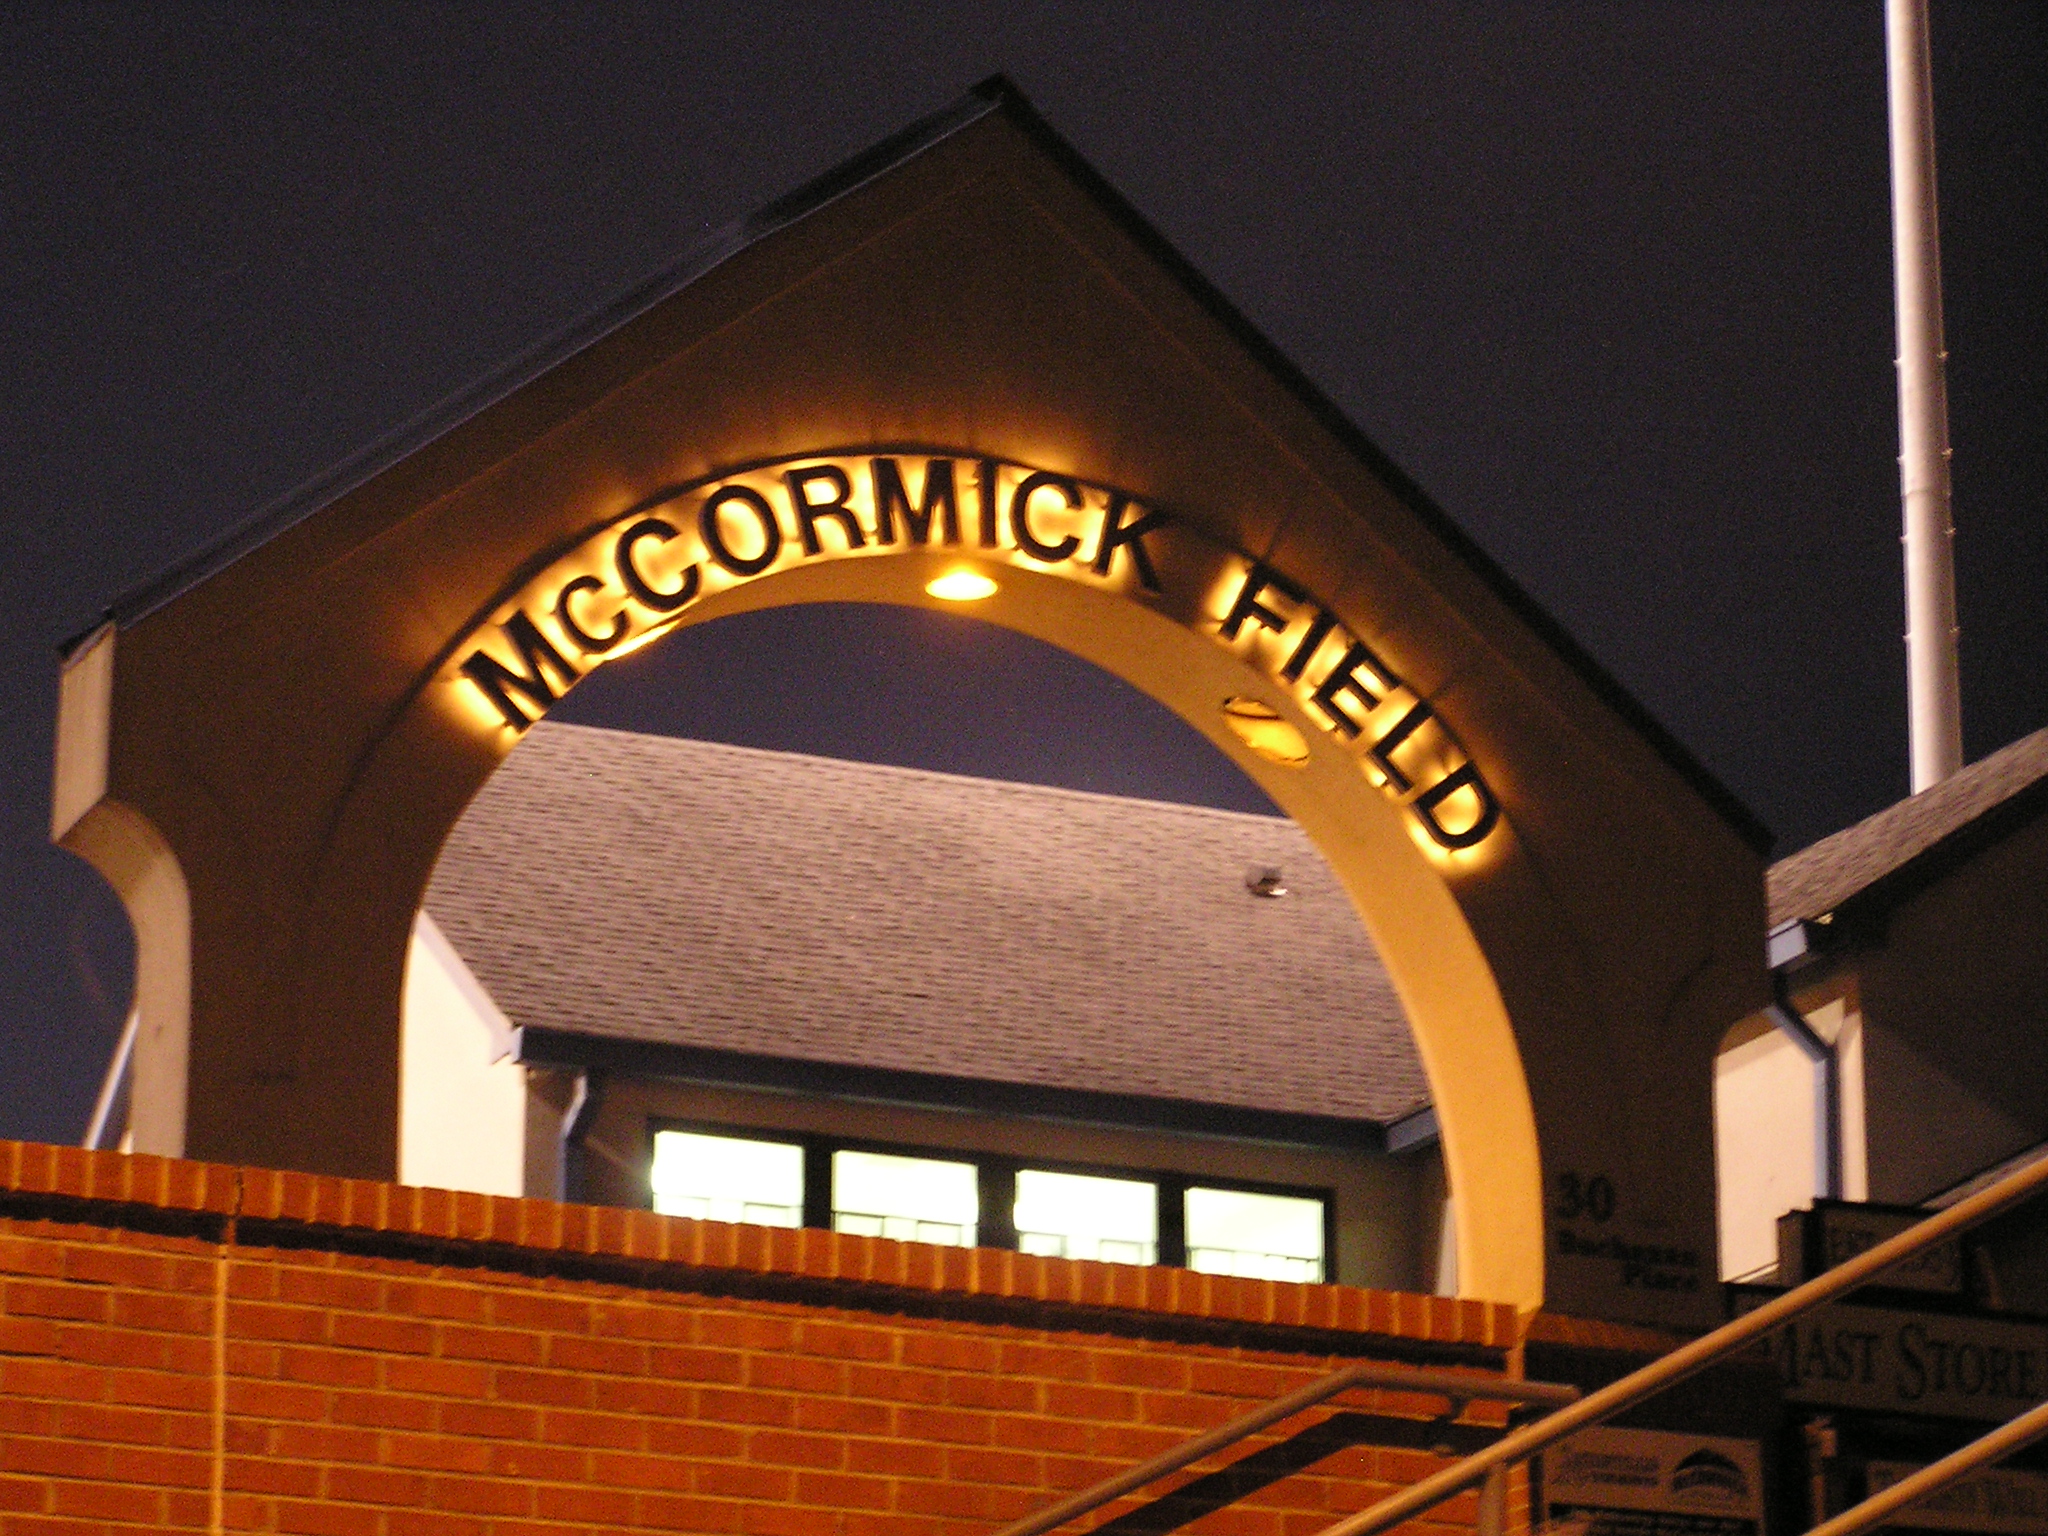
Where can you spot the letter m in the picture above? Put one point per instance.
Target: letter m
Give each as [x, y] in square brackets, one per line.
[499, 682]
[939, 497]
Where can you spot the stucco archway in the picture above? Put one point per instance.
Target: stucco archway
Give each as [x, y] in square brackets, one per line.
[271, 714]
[1210, 633]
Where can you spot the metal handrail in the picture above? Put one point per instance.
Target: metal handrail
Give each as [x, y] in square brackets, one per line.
[1930, 1480]
[1457, 1389]
[1690, 1359]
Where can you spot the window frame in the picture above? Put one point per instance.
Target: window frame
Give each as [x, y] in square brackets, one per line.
[996, 1183]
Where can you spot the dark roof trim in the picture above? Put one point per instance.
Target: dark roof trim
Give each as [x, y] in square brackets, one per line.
[446, 414]
[1334, 421]
[995, 94]
[1944, 856]
[925, 1090]
[1414, 1131]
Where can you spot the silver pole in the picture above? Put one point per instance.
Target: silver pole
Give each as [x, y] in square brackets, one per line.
[1933, 686]
[1492, 1518]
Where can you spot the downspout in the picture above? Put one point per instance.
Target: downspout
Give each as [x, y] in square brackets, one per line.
[1786, 948]
[115, 1084]
[576, 1122]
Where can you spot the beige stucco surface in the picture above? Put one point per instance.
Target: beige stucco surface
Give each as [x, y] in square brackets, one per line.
[273, 724]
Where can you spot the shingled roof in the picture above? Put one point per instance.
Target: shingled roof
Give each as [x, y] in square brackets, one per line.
[625, 887]
[1895, 852]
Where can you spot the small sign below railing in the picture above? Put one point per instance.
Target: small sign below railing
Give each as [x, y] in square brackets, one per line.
[1650, 1482]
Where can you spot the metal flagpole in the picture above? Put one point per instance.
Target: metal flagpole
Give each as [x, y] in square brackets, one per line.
[1933, 688]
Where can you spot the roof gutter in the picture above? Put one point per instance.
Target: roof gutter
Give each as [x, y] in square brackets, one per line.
[601, 1056]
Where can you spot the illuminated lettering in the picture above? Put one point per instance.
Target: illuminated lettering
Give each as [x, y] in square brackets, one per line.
[1020, 516]
[1343, 678]
[1382, 751]
[1463, 780]
[985, 500]
[538, 654]
[938, 498]
[621, 585]
[1248, 606]
[586, 642]
[1115, 536]
[713, 530]
[645, 592]
[1318, 631]
[808, 512]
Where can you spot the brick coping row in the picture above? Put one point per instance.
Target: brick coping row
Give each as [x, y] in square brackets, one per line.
[113, 1186]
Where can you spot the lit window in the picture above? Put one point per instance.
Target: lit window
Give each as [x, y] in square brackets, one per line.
[918, 1199]
[728, 1178]
[1263, 1237]
[1075, 1216]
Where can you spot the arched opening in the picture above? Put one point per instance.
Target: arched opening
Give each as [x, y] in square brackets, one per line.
[301, 714]
[1080, 568]
[881, 877]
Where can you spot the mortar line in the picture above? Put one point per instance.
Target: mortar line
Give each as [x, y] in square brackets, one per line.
[217, 1489]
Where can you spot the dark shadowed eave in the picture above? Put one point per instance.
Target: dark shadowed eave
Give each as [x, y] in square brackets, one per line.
[1885, 858]
[628, 304]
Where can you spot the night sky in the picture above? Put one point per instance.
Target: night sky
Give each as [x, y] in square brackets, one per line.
[1611, 282]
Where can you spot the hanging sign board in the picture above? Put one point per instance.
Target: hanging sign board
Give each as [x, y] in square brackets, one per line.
[1648, 1482]
[1835, 1231]
[1893, 1361]
[1999, 1501]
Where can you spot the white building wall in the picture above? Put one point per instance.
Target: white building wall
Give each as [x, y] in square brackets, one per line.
[1842, 1027]
[461, 1098]
[1767, 1134]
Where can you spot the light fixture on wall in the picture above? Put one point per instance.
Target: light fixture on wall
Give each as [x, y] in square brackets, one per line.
[961, 586]
[1267, 883]
[1261, 727]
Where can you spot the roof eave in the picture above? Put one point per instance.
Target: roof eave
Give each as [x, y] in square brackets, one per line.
[662, 1060]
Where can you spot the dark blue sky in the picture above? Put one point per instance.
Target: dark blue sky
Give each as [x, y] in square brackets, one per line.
[1611, 281]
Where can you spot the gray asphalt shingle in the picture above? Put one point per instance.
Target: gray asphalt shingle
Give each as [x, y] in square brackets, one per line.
[648, 888]
[1820, 878]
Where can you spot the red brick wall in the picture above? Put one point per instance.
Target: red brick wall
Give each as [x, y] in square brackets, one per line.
[194, 1347]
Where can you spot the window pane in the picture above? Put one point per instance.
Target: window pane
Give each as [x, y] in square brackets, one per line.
[919, 1199]
[1264, 1237]
[1077, 1216]
[728, 1178]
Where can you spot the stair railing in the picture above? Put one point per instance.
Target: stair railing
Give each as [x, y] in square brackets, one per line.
[1486, 1469]
[1930, 1480]
[1454, 1387]
[1712, 1348]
